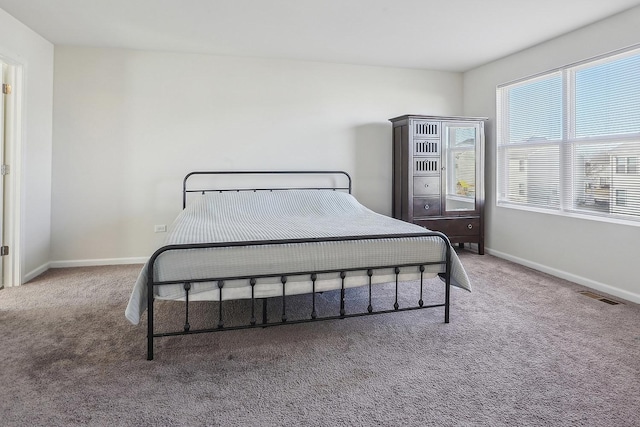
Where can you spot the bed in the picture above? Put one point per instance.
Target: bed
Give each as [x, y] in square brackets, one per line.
[273, 242]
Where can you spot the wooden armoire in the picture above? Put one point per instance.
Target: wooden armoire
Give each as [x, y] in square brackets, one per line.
[438, 175]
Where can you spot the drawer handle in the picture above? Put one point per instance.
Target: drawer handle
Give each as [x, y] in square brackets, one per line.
[426, 186]
[426, 207]
[470, 226]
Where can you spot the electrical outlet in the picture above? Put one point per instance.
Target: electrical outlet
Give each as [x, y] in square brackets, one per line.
[160, 228]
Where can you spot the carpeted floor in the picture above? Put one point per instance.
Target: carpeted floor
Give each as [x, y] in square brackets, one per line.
[523, 349]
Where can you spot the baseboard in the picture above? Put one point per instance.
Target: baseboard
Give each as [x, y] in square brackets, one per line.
[35, 273]
[97, 262]
[81, 263]
[620, 293]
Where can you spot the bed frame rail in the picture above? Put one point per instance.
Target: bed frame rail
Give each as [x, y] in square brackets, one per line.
[313, 316]
[338, 175]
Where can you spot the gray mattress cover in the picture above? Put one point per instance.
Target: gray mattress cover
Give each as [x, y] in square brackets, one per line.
[291, 214]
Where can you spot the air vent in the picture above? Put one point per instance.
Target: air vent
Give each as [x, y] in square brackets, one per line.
[426, 147]
[598, 297]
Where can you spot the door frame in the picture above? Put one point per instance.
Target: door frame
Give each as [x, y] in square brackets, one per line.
[12, 215]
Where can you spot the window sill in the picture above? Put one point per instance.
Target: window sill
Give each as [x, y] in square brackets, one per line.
[569, 214]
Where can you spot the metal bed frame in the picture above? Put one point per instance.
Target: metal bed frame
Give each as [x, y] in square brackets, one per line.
[283, 277]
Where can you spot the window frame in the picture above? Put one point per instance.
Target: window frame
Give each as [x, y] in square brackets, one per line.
[568, 203]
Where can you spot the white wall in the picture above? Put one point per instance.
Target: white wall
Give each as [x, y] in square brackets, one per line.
[129, 124]
[597, 254]
[21, 46]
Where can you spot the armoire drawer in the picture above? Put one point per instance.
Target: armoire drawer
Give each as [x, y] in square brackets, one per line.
[426, 186]
[426, 166]
[426, 147]
[454, 227]
[426, 206]
[426, 129]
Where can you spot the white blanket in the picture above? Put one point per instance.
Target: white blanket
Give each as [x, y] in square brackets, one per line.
[290, 214]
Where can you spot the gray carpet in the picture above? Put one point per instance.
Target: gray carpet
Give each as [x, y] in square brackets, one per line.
[523, 349]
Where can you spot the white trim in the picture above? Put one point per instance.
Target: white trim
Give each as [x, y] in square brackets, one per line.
[35, 273]
[82, 263]
[578, 64]
[570, 214]
[17, 192]
[629, 296]
[97, 262]
[617, 292]
[14, 213]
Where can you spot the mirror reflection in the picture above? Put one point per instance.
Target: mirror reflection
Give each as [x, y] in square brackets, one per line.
[460, 169]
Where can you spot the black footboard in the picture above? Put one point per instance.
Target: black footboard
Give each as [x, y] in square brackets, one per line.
[283, 277]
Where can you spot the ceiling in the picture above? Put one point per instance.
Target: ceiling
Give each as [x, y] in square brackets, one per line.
[452, 35]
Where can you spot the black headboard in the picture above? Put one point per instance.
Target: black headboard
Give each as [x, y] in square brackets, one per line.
[338, 176]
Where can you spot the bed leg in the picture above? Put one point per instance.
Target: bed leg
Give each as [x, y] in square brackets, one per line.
[421, 301]
[370, 273]
[314, 314]
[447, 278]
[446, 303]
[283, 279]
[342, 311]
[252, 321]
[264, 311]
[150, 323]
[187, 288]
[220, 321]
[150, 339]
[396, 305]
[447, 286]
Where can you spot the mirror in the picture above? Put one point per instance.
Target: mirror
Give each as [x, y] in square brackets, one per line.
[460, 167]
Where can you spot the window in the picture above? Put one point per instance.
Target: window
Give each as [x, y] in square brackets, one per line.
[627, 165]
[621, 197]
[568, 141]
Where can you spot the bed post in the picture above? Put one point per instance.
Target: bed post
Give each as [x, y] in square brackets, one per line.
[447, 281]
[150, 310]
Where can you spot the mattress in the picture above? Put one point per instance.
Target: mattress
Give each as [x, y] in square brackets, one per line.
[285, 215]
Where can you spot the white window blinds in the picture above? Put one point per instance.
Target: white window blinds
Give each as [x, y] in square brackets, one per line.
[529, 138]
[568, 141]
